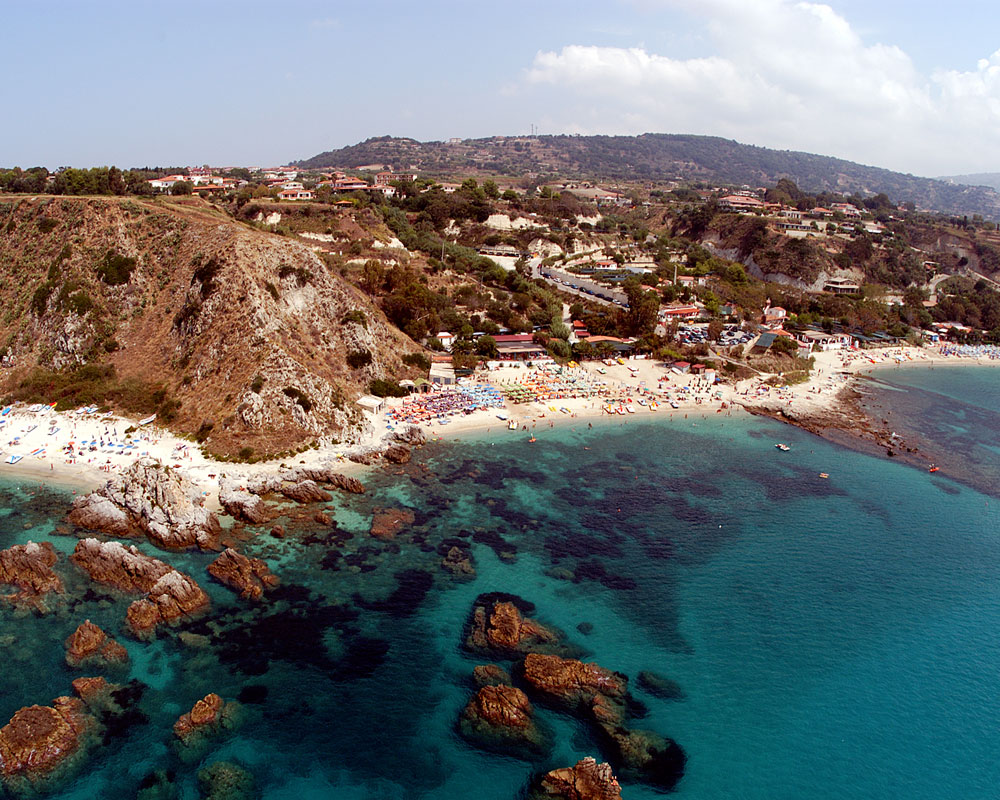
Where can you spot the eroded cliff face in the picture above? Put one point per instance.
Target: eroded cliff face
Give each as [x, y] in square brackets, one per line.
[247, 331]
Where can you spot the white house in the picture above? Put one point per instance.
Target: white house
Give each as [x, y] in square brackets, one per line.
[296, 194]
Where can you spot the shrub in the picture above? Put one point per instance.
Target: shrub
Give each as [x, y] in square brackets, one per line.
[384, 388]
[302, 275]
[47, 224]
[245, 454]
[204, 430]
[115, 269]
[359, 359]
[355, 315]
[418, 360]
[258, 384]
[40, 299]
[272, 289]
[300, 397]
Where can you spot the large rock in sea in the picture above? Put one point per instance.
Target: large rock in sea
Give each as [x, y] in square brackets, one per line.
[387, 522]
[573, 683]
[28, 568]
[90, 646]
[588, 780]
[206, 719]
[250, 577]
[305, 491]
[152, 499]
[397, 454]
[501, 717]
[40, 741]
[499, 627]
[242, 504]
[327, 476]
[170, 594]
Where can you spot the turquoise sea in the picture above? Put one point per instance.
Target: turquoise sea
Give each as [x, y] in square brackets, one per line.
[833, 638]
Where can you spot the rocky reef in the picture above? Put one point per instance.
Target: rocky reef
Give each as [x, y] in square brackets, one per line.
[249, 577]
[499, 627]
[588, 780]
[40, 742]
[387, 522]
[90, 646]
[170, 594]
[151, 499]
[225, 780]
[28, 568]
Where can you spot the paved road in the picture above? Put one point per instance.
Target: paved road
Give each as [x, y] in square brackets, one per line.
[575, 284]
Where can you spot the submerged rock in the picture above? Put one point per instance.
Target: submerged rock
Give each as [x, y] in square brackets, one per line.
[225, 780]
[149, 498]
[28, 568]
[588, 780]
[250, 577]
[39, 740]
[490, 675]
[387, 522]
[458, 562]
[660, 686]
[89, 646]
[499, 627]
[501, 717]
[170, 594]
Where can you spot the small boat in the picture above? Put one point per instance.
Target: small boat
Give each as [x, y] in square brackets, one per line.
[512, 426]
[933, 468]
[53, 431]
[532, 439]
[502, 417]
[823, 475]
[147, 420]
[13, 459]
[784, 448]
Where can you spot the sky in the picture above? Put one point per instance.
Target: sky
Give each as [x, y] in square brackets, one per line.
[911, 86]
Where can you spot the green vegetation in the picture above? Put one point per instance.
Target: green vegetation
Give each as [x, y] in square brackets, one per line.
[359, 359]
[418, 360]
[115, 269]
[356, 316]
[385, 388]
[300, 397]
[257, 384]
[95, 384]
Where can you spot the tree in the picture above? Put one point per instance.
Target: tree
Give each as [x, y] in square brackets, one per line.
[714, 330]
[491, 189]
[182, 187]
[372, 276]
[486, 346]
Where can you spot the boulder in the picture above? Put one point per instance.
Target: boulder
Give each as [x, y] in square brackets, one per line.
[501, 716]
[89, 688]
[243, 505]
[387, 522]
[89, 646]
[366, 456]
[28, 568]
[208, 717]
[169, 594]
[40, 739]
[250, 577]
[458, 562]
[412, 435]
[588, 780]
[573, 683]
[500, 627]
[306, 491]
[149, 498]
[397, 454]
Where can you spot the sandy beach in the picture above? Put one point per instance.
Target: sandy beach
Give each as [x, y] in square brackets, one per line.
[82, 451]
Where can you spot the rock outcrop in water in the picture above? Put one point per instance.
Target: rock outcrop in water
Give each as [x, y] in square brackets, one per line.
[501, 717]
[224, 780]
[206, 719]
[28, 568]
[588, 780]
[89, 646]
[305, 491]
[249, 577]
[242, 504]
[41, 740]
[154, 500]
[397, 454]
[498, 626]
[170, 594]
[387, 522]
[278, 482]
[599, 695]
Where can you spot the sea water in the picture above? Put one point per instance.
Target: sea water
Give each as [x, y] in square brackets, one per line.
[833, 637]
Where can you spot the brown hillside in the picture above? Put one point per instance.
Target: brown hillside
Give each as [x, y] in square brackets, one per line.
[247, 331]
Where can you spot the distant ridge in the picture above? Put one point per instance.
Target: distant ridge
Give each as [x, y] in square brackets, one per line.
[991, 179]
[659, 157]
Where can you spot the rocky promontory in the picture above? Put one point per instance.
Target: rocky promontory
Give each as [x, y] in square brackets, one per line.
[151, 499]
[588, 780]
[170, 594]
[39, 740]
[249, 577]
[28, 568]
[90, 646]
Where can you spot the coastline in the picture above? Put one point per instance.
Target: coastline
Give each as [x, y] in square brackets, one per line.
[827, 404]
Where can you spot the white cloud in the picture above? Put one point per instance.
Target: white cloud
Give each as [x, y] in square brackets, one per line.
[786, 74]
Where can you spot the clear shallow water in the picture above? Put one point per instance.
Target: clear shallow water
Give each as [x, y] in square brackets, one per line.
[833, 638]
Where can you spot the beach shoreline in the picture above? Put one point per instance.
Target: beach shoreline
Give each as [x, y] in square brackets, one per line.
[827, 400]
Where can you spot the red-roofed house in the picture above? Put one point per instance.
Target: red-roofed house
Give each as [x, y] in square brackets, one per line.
[296, 194]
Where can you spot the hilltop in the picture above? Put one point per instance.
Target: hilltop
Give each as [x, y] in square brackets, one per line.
[237, 337]
[654, 157]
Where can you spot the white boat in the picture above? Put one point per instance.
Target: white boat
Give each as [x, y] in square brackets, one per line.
[13, 459]
[147, 420]
[502, 417]
[784, 448]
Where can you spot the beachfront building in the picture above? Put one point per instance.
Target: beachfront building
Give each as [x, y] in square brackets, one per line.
[822, 341]
[371, 403]
[443, 375]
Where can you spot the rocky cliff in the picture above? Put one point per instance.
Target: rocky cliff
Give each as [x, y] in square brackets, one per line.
[170, 306]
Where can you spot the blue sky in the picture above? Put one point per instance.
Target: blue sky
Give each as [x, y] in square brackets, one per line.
[912, 86]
